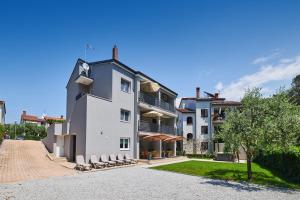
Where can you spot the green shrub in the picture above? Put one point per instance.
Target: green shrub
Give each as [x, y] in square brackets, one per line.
[1, 133]
[284, 163]
[201, 156]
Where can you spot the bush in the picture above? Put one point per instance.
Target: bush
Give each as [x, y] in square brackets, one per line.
[1, 133]
[201, 156]
[284, 163]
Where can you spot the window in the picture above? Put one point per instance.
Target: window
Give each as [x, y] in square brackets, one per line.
[189, 136]
[204, 112]
[189, 120]
[204, 146]
[125, 85]
[125, 115]
[124, 144]
[204, 129]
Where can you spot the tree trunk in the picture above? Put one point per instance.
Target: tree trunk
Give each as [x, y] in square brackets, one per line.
[249, 168]
[238, 156]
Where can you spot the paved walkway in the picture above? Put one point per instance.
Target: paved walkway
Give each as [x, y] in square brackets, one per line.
[26, 160]
[139, 183]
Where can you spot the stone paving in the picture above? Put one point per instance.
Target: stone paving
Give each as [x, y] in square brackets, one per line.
[27, 160]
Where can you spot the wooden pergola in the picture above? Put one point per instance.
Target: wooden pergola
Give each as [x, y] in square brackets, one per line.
[160, 136]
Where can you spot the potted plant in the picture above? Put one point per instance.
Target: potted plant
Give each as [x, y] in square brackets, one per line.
[169, 153]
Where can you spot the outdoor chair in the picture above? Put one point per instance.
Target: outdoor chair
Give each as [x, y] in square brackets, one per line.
[80, 164]
[113, 158]
[129, 159]
[105, 160]
[96, 163]
[120, 157]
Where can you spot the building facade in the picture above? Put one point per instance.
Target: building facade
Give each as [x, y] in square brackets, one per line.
[199, 119]
[2, 112]
[112, 108]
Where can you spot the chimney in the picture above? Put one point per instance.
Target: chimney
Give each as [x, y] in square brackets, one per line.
[115, 53]
[216, 95]
[197, 92]
[24, 112]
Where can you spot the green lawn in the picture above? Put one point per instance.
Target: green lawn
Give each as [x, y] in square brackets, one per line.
[227, 171]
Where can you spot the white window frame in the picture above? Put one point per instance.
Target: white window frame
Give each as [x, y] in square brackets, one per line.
[122, 144]
[122, 117]
[129, 85]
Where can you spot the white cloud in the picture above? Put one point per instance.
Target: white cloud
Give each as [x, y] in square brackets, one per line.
[264, 59]
[219, 86]
[267, 73]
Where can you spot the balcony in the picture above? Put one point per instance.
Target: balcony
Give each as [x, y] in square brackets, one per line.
[218, 118]
[84, 80]
[153, 127]
[154, 101]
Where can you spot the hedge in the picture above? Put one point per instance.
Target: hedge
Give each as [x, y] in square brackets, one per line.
[1, 133]
[285, 164]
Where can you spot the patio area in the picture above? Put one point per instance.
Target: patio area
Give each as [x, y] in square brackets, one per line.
[158, 145]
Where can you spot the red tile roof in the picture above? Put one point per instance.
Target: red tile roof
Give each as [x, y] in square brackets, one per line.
[31, 118]
[53, 118]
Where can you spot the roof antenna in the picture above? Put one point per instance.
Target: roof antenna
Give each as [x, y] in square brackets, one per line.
[87, 47]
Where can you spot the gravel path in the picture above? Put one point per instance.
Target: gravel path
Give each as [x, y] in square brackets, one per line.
[138, 183]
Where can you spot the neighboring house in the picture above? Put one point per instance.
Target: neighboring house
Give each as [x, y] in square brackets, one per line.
[111, 108]
[44, 121]
[25, 118]
[199, 119]
[2, 112]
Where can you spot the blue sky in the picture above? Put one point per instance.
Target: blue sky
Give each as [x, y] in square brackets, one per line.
[217, 45]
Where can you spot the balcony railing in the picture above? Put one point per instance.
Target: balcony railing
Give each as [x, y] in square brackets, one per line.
[218, 118]
[167, 129]
[152, 127]
[148, 126]
[153, 100]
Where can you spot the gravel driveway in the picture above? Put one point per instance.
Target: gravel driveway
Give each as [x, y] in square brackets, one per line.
[138, 183]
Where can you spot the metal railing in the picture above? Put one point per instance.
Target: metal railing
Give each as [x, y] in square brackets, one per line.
[153, 100]
[167, 129]
[148, 126]
[153, 127]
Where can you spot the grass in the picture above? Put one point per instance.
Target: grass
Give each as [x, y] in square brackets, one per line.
[228, 171]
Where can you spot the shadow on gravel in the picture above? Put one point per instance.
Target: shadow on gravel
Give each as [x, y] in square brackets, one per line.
[247, 187]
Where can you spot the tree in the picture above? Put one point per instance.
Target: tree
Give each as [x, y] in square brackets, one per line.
[261, 123]
[244, 127]
[282, 121]
[294, 92]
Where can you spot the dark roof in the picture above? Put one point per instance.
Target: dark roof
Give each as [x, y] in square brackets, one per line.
[185, 110]
[227, 103]
[202, 99]
[129, 69]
